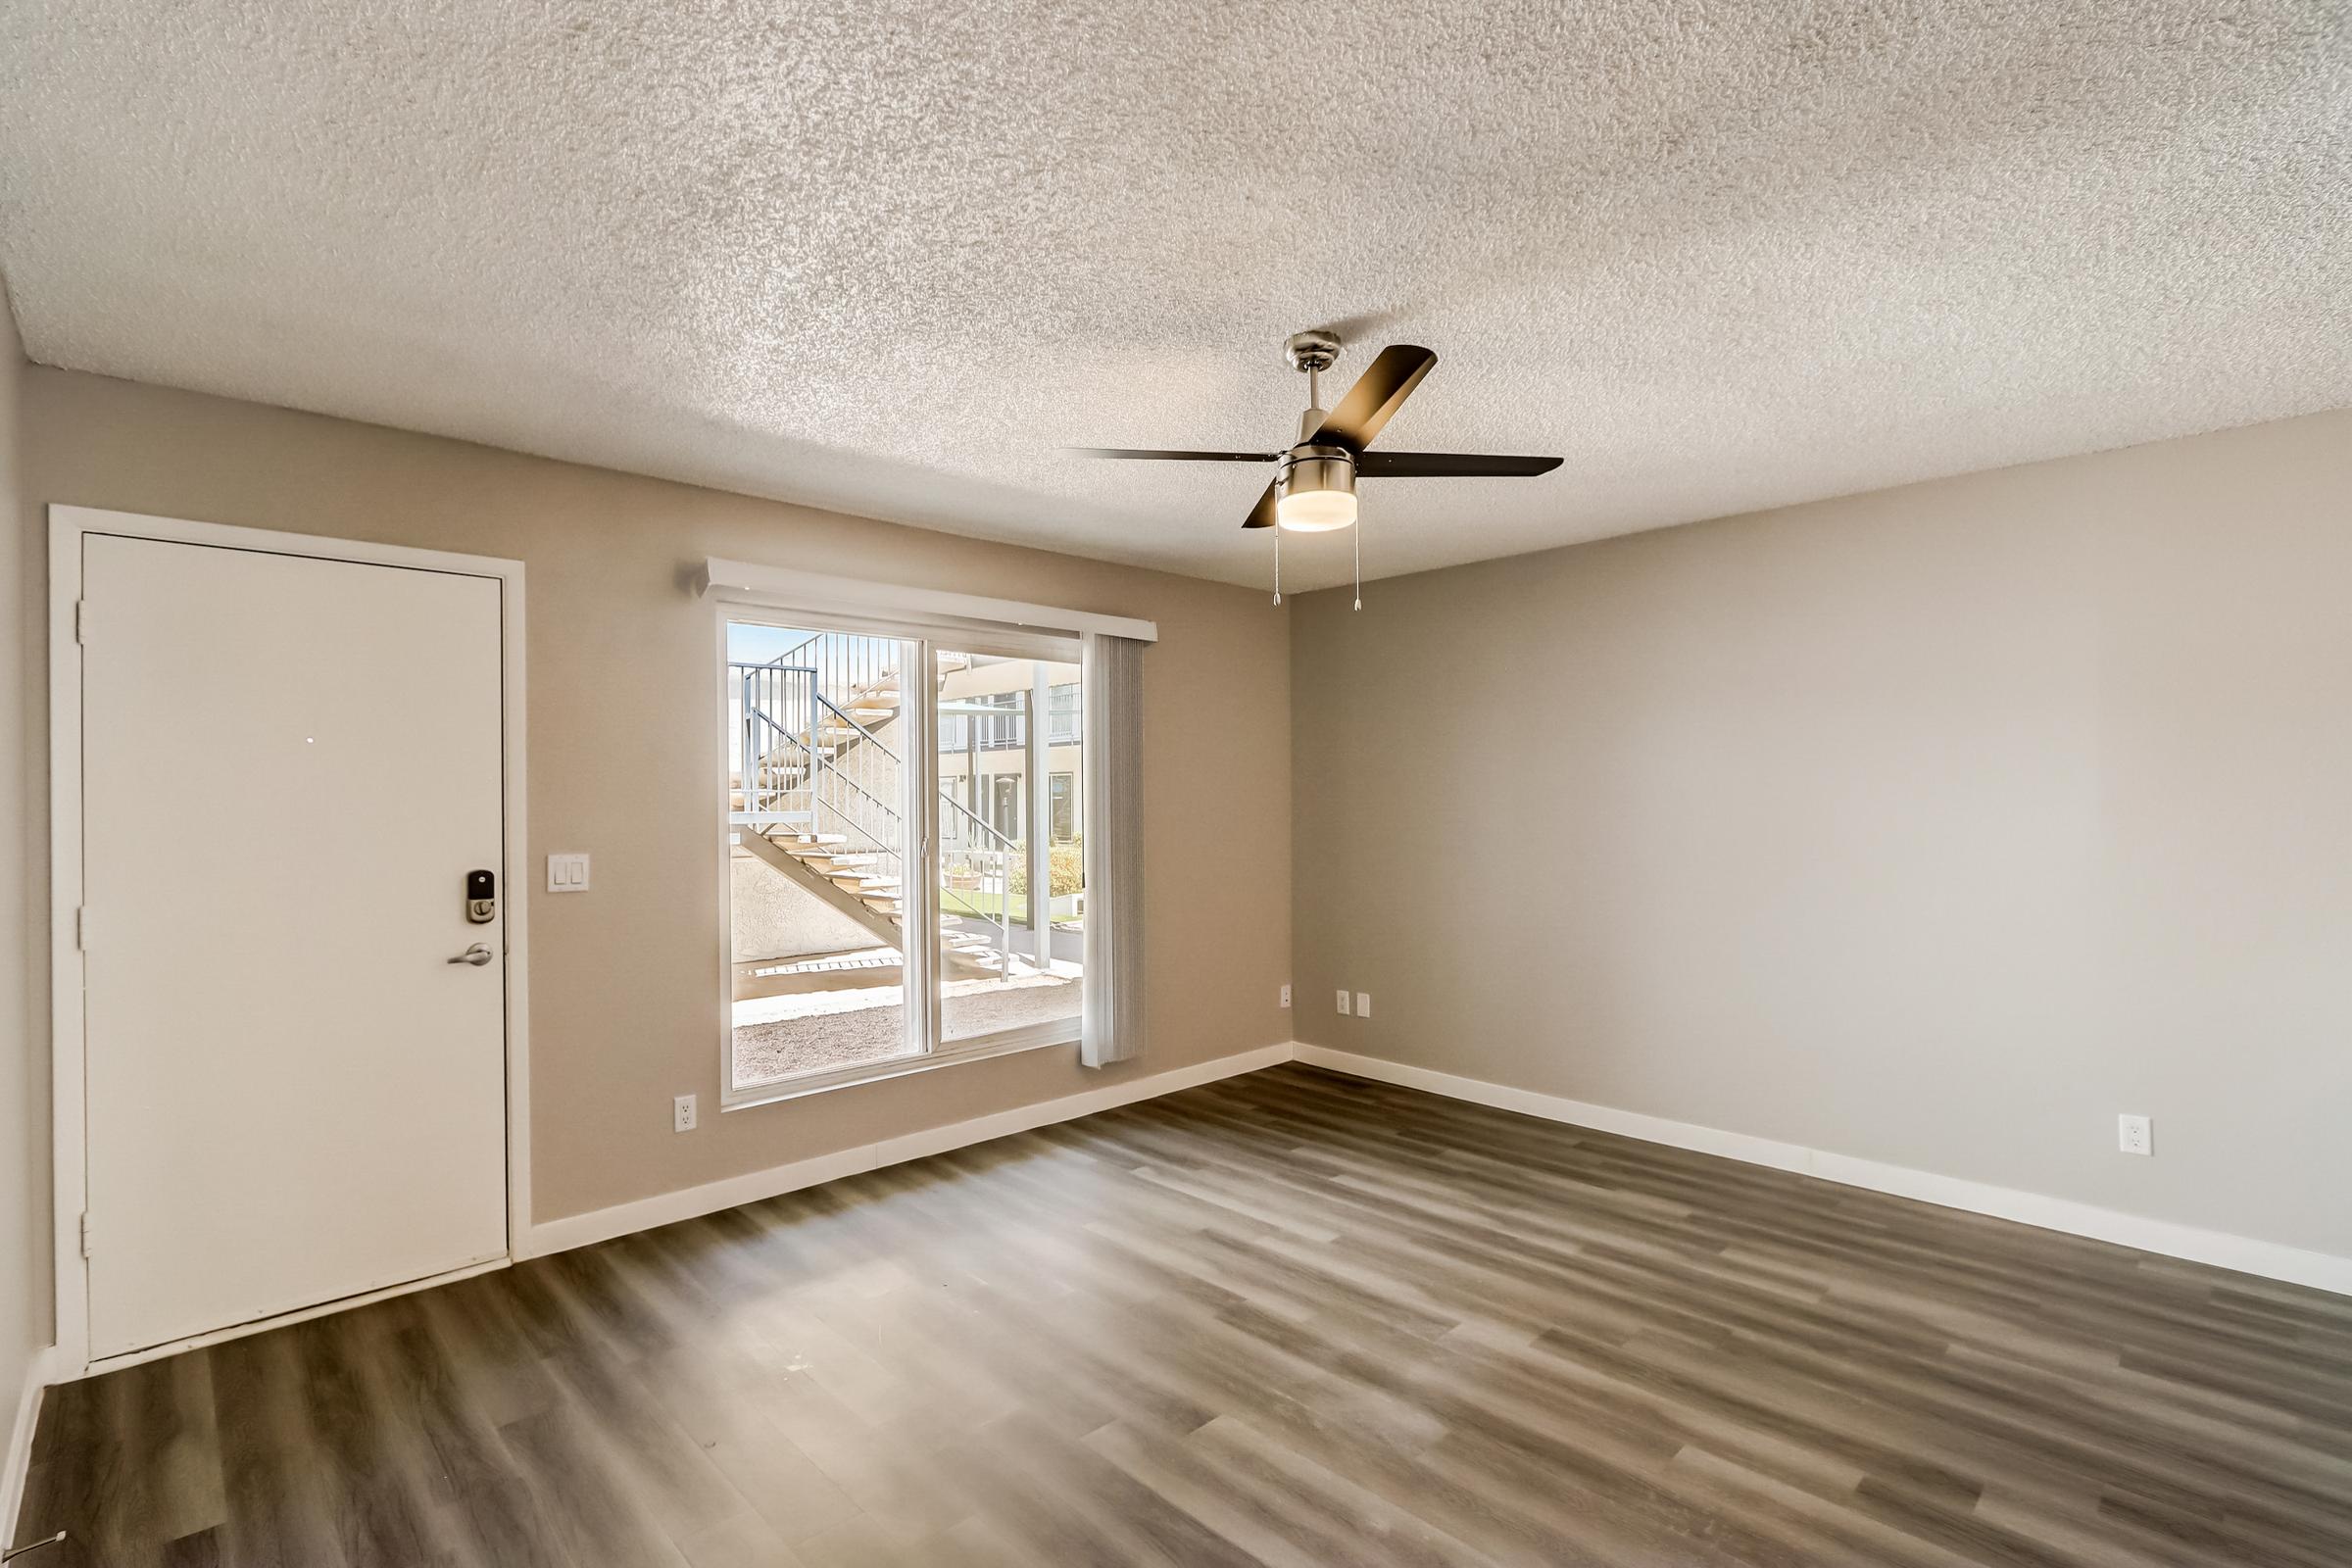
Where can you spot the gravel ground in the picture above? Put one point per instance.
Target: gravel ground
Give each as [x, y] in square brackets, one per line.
[844, 1028]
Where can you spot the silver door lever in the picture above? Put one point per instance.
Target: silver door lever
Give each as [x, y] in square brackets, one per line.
[478, 955]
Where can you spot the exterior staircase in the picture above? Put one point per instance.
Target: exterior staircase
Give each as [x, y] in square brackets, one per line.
[814, 797]
[856, 696]
[851, 882]
[844, 879]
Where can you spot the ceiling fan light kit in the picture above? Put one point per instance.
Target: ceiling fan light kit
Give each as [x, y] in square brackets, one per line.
[1314, 490]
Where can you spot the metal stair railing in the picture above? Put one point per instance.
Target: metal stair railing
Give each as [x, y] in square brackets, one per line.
[992, 871]
[846, 663]
[767, 703]
[781, 702]
[785, 759]
[850, 669]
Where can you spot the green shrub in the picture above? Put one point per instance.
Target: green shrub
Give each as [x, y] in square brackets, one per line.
[1070, 870]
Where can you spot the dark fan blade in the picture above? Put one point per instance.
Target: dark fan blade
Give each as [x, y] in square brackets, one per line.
[1437, 465]
[1377, 394]
[1178, 456]
[1261, 515]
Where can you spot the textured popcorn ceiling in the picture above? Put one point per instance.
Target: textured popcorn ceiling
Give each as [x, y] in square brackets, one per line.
[888, 257]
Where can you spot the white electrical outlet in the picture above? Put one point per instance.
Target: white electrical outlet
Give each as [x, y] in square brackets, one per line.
[1363, 1003]
[681, 1114]
[2134, 1135]
[1286, 996]
[1343, 1004]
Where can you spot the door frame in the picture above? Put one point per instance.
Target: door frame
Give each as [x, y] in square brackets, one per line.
[69, 1111]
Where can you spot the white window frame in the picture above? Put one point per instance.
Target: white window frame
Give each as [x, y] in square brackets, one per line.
[931, 619]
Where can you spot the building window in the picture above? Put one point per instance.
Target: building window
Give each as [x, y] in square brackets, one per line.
[1063, 808]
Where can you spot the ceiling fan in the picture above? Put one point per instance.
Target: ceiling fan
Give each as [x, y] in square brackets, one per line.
[1314, 489]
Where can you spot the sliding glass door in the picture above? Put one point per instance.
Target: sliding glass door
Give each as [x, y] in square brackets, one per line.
[1011, 892]
[893, 799]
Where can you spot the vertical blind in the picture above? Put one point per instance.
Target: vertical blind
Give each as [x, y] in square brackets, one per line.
[1113, 1012]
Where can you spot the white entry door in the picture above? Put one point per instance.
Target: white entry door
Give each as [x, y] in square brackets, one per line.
[289, 766]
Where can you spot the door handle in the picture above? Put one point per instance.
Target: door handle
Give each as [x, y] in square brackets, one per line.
[478, 955]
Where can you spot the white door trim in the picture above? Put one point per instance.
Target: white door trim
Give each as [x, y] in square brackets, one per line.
[69, 1110]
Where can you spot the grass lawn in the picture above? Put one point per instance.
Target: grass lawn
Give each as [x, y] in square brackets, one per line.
[983, 906]
[990, 905]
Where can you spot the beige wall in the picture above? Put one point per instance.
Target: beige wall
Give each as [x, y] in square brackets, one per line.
[625, 981]
[1933, 826]
[23, 1084]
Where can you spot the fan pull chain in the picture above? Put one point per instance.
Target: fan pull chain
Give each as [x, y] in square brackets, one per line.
[1278, 566]
[1358, 543]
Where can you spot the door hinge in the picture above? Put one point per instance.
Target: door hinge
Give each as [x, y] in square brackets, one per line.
[82, 928]
[81, 621]
[85, 1232]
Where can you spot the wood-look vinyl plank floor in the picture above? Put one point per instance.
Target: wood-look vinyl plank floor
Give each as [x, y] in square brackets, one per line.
[1290, 1319]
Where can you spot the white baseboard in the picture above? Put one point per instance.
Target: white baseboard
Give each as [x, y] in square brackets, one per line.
[622, 1219]
[2269, 1259]
[47, 1367]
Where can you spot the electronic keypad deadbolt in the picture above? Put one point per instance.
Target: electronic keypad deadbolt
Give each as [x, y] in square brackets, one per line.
[481, 898]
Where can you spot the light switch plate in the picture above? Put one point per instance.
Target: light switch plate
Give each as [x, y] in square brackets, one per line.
[1363, 1003]
[567, 873]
